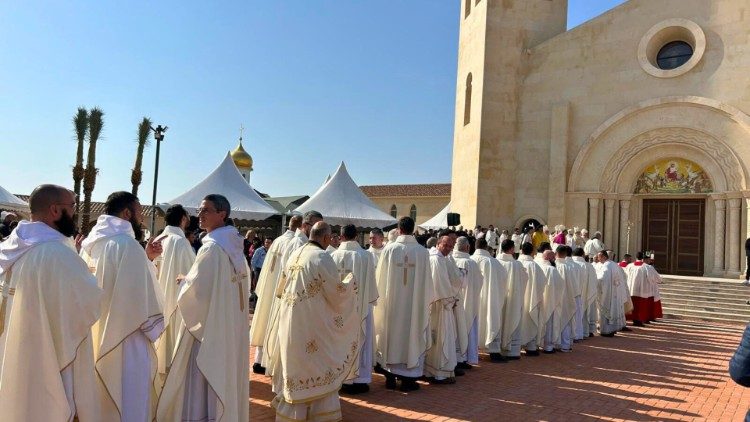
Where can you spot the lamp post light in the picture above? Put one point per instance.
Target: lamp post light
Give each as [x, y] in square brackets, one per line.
[159, 136]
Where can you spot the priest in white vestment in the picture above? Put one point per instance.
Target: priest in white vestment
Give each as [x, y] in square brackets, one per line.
[589, 292]
[441, 359]
[569, 273]
[514, 301]
[271, 336]
[491, 300]
[319, 330]
[611, 296]
[268, 281]
[176, 260]
[402, 317]
[554, 293]
[593, 246]
[131, 310]
[655, 278]
[208, 380]
[579, 277]
[50, 300]
[376, 244]
[532, 322]
[471, 294]
[350, 258]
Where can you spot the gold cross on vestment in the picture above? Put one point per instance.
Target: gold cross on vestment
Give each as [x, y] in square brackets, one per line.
[406, 265]
[237, 278]
[274, 255]
[343, 272]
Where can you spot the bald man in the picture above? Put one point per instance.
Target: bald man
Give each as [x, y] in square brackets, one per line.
[50, 300]
[318, 333]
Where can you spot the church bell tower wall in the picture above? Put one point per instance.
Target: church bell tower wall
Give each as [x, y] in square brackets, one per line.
[494, 39]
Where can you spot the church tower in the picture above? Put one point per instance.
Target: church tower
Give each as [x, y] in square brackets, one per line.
[494, 38]
[243, 161]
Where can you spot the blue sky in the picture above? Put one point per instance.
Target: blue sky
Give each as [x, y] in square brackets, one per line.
[371, 83]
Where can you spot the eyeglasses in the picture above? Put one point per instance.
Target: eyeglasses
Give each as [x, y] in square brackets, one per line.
[205, 210]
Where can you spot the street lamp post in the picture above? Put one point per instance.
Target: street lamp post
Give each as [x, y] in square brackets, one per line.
[159, 136]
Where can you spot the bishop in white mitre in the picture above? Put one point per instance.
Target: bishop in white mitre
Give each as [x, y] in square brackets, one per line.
[554, 293]
[402, 317]
[319, 331]
[176, 260]
[49, 302]
[611, 296]
[491, 300]
[350, 258]
[589, 292]
[271, 336]
[514, 301]
[268, 281]
[208, 380]
[470, 294]
[532, 322]
[131, 310]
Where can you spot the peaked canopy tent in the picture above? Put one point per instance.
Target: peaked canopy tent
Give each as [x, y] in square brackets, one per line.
[226, 180]
[11, 202]
[342, 202]
[439, 221]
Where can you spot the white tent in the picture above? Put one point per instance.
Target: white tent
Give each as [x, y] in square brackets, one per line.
[439, 221]
[11, 202]
[226, 180]
[342, 202]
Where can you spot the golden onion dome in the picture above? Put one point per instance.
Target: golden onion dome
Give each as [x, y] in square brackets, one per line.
[241, 157]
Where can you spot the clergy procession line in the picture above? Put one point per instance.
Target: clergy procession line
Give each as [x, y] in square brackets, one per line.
[327, 318]
[111, 327]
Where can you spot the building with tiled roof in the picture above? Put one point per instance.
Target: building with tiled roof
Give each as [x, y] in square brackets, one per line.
[420, 201]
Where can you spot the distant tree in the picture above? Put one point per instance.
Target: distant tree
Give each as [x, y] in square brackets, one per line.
[81, 124]
[143, 131]
[96, 123]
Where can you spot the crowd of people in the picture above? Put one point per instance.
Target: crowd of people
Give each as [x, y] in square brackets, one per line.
[117, 326]
[423, 306]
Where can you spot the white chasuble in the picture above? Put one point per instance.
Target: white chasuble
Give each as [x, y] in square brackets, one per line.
[514, 299]
[268, 280]
[532, 321]
[589, 282]
[492, 297]
[209, 374]
[350, 258]
[131, 320]
[402, 316]
[50, 300]
[441, 358]
[176, 260]
[569, 273]
[611, 296]
[375, 254]
[554, 294]
[319, 327]
[472, 289]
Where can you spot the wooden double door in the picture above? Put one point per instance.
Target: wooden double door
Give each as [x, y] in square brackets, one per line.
[674, 229]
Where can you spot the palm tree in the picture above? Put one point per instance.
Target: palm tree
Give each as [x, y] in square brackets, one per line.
[143, 131]
[96, 122]
[81, 124]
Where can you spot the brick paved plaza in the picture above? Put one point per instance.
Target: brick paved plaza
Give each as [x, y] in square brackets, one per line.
[671, 370]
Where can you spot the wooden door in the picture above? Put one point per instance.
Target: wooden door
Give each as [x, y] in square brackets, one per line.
[674, 230]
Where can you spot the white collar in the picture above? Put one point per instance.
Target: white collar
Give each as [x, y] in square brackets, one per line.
[482, 252]
[406, 238]
[172, 230]
[107, 226]
[299, 233]
[506, 257]
[26, 235]
[459, 254]
[228, 238]
[578, 259]
[349, 245]
[525, 258]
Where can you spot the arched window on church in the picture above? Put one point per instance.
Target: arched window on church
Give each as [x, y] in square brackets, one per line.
[467, 8]
[394, 211]
[413, 212]
[467, 101]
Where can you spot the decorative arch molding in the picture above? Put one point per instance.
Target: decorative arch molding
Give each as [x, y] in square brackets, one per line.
[727, 111]
[720, 162]
[528, 217]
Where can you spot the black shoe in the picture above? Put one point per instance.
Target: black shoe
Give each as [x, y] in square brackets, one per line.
[591, 334]
[532, 353]
[409, 384]
[607, 335]
[626, 329]
[637, 324]
[464, 365]
[446, 381]
[379, 369]
[513, 357]
[459, 372]
[390, 382]
[258, 369]
[347, 389]
[497, 358]
[549, 352]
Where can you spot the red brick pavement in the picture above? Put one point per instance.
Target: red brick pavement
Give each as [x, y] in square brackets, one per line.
[668, 371]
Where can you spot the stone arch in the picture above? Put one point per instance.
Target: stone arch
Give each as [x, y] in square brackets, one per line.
[697, 121]
[527, 217]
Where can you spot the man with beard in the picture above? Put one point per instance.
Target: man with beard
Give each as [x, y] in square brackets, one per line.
[177, 258]
[49, 302]
[208, 380]
[131, 310]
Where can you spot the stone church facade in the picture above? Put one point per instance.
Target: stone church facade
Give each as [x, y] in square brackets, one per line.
[634, 124]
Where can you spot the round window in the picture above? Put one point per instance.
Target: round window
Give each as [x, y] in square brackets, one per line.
[674, 55]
